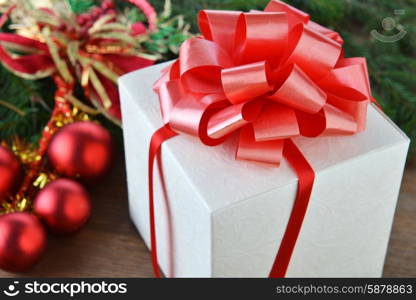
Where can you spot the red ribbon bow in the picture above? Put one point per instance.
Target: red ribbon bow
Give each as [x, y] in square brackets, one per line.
[270, 76]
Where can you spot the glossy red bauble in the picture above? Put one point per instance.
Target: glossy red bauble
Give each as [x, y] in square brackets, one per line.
[22, 241]
[63, 205]
[81, 149]
[9, 172]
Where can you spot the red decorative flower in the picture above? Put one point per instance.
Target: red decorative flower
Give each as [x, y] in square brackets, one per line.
[93, 48]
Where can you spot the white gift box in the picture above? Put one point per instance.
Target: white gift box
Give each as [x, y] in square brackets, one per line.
[226, 218]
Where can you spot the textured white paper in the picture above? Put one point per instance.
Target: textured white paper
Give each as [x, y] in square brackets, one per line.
[227, 217]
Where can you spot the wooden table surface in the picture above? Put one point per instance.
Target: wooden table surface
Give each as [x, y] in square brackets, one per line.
[109, 246]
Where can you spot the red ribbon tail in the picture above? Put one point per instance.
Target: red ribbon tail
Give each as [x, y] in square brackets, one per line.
[161, 135]
[306, 177]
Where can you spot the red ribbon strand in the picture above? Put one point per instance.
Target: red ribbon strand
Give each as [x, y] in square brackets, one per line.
[156, 142]
[306, 177]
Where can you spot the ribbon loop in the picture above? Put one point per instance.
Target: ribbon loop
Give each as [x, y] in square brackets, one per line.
[353, 76]
[269, 152]
[298, 91]
[328, 121]
[245, 82]
[219, 26]
[326, 31]
[275, 122]
[200, 65]
[171, 92]
[232, 118]
[353, 103]
[313, 52]
[261, 36]
[295, 16]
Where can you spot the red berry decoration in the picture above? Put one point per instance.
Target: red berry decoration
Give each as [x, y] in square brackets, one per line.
[9, 172]
[107, 4]
[138, 28]
[96, 12]
[22, 241]
[81, 149]
[63, 205]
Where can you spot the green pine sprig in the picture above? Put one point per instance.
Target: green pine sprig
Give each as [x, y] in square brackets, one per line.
[81, 6]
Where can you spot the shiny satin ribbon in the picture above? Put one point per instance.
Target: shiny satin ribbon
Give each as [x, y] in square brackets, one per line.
[160, 136]
[268, 77]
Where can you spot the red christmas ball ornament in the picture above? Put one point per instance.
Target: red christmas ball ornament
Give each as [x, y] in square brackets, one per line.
[22, 241]
[9, 172]
[81, 149]
[63, 205]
